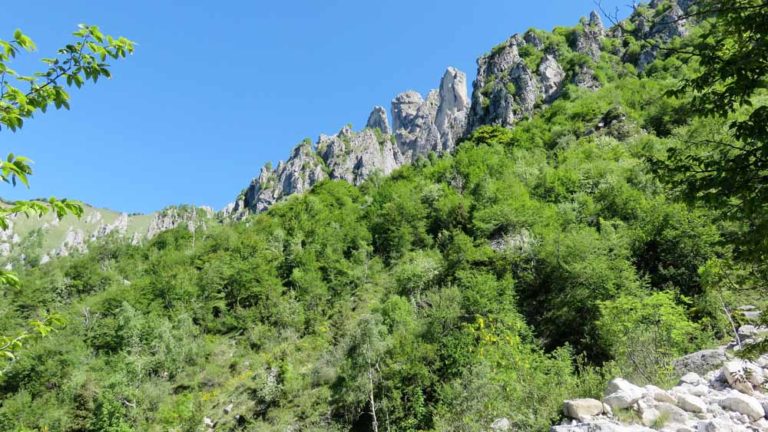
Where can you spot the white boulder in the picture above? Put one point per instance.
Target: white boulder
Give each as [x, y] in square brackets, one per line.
[691, 403]
[743, 404]
[583, 409]
[736, 376]
[622, 394]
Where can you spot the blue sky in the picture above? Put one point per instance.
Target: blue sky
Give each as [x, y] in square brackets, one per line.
[216, 89]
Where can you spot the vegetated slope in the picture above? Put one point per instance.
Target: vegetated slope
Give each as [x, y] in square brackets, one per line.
[520, 270]
[33, 240]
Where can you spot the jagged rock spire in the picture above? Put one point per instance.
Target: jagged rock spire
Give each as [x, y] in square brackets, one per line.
[435, 123]
[378, 120]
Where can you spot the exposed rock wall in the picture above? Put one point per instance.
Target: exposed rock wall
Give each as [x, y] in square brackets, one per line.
[419, 127]
[513, 81]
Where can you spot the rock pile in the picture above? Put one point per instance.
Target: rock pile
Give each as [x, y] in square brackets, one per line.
[732, 398]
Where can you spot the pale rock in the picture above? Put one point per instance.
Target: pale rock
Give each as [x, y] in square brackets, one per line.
[530, 37]
[752, 315]
[303, 169]
[453, 110]
[691, 378]
[378, 120]
[228, 408]
[622, 394]
[659, 395]
[501, 425]
[650, 412]
[208, 422]
[671, 24]
[762, 361]
[171, 217]
[551, 75]
[672, 413]
[120, 225]
[588, 41]
[433, 124]
[353, 157]
[743, 404]
[504, 90]
[583, 409]
[747, 331]
[585, 78]
[696, 390]
[691, 403]
[717, 425]
[736, 376]
[754, 374]
[600, 426]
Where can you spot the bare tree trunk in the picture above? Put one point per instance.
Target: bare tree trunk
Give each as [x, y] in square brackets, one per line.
[372, 401]
[730, 320]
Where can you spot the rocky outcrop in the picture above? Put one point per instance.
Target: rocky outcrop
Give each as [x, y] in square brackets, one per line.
[120, 226]
[378, 120]
[517, 78]
[589, 38]
[302, 170]
[356, 156]
[74, 241]
[433, 124]
[169, 218]
[419, 127]
[731, 398]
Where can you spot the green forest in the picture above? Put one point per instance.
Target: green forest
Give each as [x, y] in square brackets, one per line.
[611, 232]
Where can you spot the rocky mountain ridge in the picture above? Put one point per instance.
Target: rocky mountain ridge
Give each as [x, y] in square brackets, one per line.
[32, 240]
[518, 77]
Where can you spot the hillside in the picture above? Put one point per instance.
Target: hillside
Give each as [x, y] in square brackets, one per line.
[33, 240]
[469, 266]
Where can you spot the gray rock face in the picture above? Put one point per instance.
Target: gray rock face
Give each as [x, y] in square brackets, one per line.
[551, 76]
[515, 79]
[172, 217]
[420, 127]
[378, 120]
[355, 156]
[497, 90]
[413, 122]
[700, 362]
[73, 242]
[589, 38]
[435, 124]
[671, 24]
[453, 109]
[119, 226]
[298, 174]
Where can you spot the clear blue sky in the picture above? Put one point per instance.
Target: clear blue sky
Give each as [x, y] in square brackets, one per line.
[217, 88]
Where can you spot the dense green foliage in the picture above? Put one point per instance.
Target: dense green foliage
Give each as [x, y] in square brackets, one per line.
[528, 267]
[726, 164]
